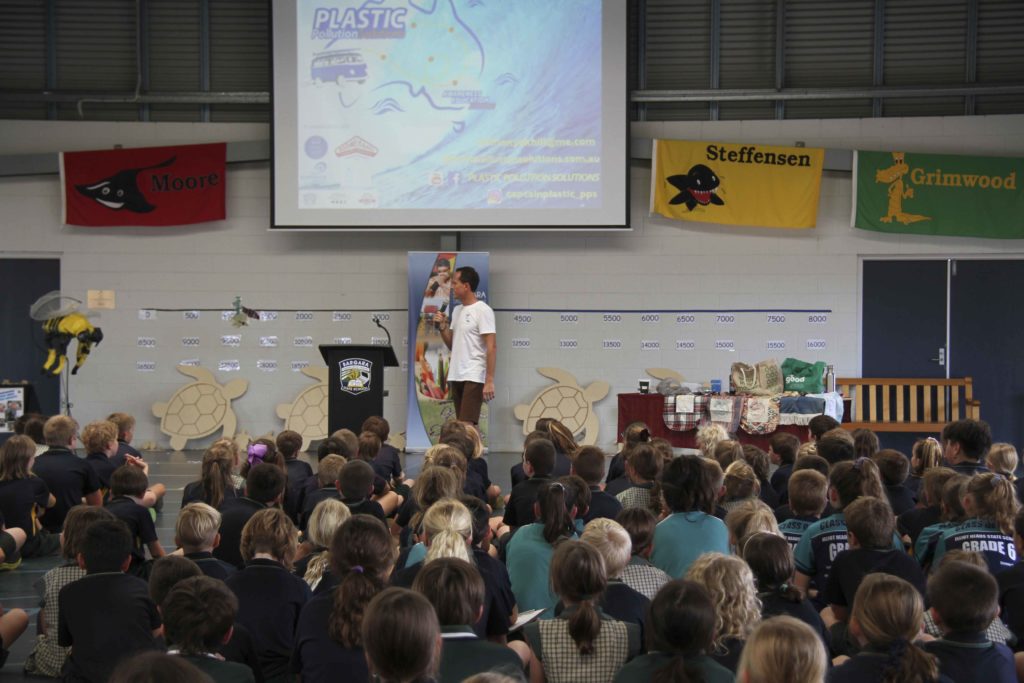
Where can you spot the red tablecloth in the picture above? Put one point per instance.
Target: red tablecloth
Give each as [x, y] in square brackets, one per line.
[648, 408]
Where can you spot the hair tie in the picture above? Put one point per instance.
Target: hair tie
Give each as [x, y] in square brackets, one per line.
[357, 568]
[933, 440]
[858, 463]
[557, 485]
[645, 435]
[257, 451]
[997, 476]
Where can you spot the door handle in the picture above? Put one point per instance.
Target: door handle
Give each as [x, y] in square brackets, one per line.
[941, 360]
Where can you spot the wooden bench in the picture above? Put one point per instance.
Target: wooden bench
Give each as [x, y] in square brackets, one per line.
[885, 404]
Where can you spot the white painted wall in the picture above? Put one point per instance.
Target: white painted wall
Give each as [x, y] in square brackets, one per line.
[659, 265]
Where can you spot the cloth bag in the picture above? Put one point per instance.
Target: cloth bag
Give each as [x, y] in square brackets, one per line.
[762, 379]
[760, 415]
[807, 378]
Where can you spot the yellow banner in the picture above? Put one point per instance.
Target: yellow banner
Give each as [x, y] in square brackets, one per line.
[736, 183]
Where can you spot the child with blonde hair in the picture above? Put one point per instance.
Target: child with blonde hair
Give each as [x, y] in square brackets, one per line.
[749, 518]
[1002, 459]
[783, 650]
[990, 504]
[325, 520]
[925, 455]
[197, 533]
[708, 437]
[741, 485]
[619, 601]
[737, 608]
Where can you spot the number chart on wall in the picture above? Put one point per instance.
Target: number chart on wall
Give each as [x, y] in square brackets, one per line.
[700, 344]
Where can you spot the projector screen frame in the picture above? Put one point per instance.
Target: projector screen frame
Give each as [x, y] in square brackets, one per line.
[618, 24]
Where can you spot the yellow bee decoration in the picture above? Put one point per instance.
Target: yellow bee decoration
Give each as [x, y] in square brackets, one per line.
[60, 331]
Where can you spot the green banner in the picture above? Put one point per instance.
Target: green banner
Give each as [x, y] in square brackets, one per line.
[939, 194]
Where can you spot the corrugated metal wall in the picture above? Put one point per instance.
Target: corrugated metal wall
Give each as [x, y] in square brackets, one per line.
[223, 46]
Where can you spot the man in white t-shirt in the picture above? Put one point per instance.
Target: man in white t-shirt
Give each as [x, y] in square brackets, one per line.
[471, 337]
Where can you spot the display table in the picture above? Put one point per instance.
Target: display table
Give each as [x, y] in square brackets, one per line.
[649, 409]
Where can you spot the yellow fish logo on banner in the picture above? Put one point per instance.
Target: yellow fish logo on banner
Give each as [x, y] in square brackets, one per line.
[736, 184]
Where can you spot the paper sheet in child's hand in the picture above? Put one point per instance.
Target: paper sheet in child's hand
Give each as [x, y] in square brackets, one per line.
[526, 617]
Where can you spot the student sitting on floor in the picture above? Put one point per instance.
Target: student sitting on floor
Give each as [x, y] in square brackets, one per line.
[895, 468]
[886, 621]
[456, 590]
[328, 639]
[783, 650]
[125, 424]
[270, 597]
[990, 504]
[127, 486]
[582, 643]
[264, 487]
[952, 515]
[771, 561]
[355, 482]
[681, 627]
[731, 585]
[198, 616]
[619, 601]
[690, 530]
[24, 498]
[782, 450]
[1011, 584]
[929, 506]
[924, 455]
[314, 565]
[589, 466]
[639, 574]
[100, 441]
[47, 656]
[328, 473]
[760, 462]
[197, 533]
[538, 463]
[808, 495]
[104, 607]
[1002, 459]
[401, 637]
[997, 631]
[69, 478]
[643, 469]
[217, 481]
[743, 521]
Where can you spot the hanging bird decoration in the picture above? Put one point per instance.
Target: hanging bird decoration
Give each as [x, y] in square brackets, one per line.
[242, 314]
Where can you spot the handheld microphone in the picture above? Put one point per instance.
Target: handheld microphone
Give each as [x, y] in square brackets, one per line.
[444, 307]
[434, 287]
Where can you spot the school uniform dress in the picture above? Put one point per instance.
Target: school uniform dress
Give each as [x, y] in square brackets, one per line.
[95, 613]
[969, 657]
[316, 657]
[867, 666]
[47, 656]
[519, 509]
[682, 537]
[69, 478]
[636, 496]
[211, 566]
[643, 668]
[234, 513]
[270, 599]
[465, 654]
[644, 577]
[979, 535]
[529, 561]
[616, 644]
[602, 506]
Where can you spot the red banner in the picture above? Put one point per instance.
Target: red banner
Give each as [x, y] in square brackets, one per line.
[144, 186]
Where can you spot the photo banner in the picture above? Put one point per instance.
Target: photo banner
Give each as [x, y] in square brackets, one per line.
[938, 194]
[430, 290]
[736, 183]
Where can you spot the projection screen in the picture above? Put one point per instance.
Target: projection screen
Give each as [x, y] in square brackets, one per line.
[449, 115]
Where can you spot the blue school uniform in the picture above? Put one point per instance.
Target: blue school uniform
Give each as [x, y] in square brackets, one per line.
[982, 536]
[793, 529]
[972, 657]
[924, 546]
[820, 544]
[529, 560]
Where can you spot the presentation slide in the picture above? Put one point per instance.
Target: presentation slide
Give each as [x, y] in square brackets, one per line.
[450, 114]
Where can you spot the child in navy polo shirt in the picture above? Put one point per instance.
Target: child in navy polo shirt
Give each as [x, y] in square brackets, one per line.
[355, 481]
[808, 493]
[127, 486]
[328, 473]
[782, 450]
[270, 597]
[964, 601]
[929, 509]
[894, 468]
[589, 466]
[953, 514]
[197, 533]
[538, 463]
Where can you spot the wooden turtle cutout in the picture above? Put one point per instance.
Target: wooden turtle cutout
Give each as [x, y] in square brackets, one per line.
[567, 402]
[307, 414]
[199, 408]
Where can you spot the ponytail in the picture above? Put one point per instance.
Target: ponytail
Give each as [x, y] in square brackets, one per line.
[853, 479]
[447, 543]
[995, 498]
[907, 663]
[362, 556]
[555, 501]
[216, 475]
[449, 526]
[584, 626]
[579, 578]
[678, 670]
